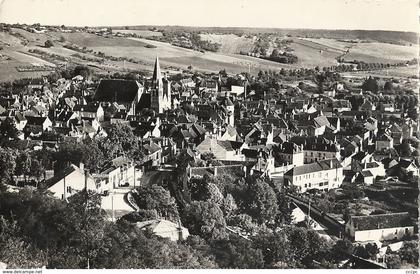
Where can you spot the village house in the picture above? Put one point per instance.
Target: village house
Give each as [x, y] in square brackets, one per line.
[322, 175]
[222, 150]
[290, 153]
[37, 125]
[69, 181]
[92, 110]
[317, 148]
[165, 229]
[120, 172]
[381, 227]
[384, 141]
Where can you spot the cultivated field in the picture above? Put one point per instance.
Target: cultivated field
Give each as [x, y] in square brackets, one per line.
[330, 43]
[381, 53]
[231, 43]
[312, 54]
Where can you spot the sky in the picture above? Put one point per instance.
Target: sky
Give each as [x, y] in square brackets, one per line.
[401, 15]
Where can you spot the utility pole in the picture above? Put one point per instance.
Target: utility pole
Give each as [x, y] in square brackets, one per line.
[309, 211]
[86, 215]
[112, 207]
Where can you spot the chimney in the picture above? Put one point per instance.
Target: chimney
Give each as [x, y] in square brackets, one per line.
[331, 164]
[82, 166]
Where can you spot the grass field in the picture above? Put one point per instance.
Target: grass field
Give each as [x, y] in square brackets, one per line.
[332, 44]
[231, 43]
[381, 53]
[312, 54]
[143, 33]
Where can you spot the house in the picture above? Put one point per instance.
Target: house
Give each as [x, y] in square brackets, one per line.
[153, 153]
[317, 148]
[366, 177]
[396, 132]
[384, 141]
[323, 175]
[290, 153]
[230, 134]
[379, 227]
[367, 106]
[20, 121]
[165, 229]
[408, 166]
[341, 105]
[120, 172]
[37, 125]
[91, 110]
[376, 168]
[359, 159]
[64, 118]
[69, 181]
[222, 150]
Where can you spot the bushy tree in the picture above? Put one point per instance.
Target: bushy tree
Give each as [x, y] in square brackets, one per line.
[48, 44]
[205, 219]
[237, 252]
[158, 199]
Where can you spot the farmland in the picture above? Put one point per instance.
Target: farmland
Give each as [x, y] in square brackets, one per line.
[311, 52]
[231, 43]
[381, 53]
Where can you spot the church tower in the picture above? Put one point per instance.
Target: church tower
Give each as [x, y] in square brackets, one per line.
[160, 92]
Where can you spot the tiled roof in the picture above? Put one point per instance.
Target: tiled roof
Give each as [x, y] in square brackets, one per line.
[381, 221]
[314, 167]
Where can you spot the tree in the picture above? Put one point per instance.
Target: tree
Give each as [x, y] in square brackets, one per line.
[342, 249]
[244, 221]
[367, 251]
[87, 152]
[237, 252]
[262, 204]
[410, 252]
[205, 219]
[83, 71]
[7, 165]
[393, 261]
[388, 86]
[159, 199]
[275, 248]
[370, 84]
[120, 141]
[23, 164]
[48, 44]
[8, 130]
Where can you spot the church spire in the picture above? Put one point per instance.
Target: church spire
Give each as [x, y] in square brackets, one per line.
[157, 75]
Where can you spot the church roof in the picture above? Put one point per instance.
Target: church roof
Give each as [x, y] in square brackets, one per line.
[117, 90]
[157, 75]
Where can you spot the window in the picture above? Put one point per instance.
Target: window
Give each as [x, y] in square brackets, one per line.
[68, 189]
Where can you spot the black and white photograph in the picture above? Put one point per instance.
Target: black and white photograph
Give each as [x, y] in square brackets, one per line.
[209, 134]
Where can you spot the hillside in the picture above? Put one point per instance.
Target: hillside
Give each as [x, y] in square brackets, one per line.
[111, 53]
[393, 37]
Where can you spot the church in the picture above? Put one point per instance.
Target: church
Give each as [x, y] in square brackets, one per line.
[131, 94]
[160, 91]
